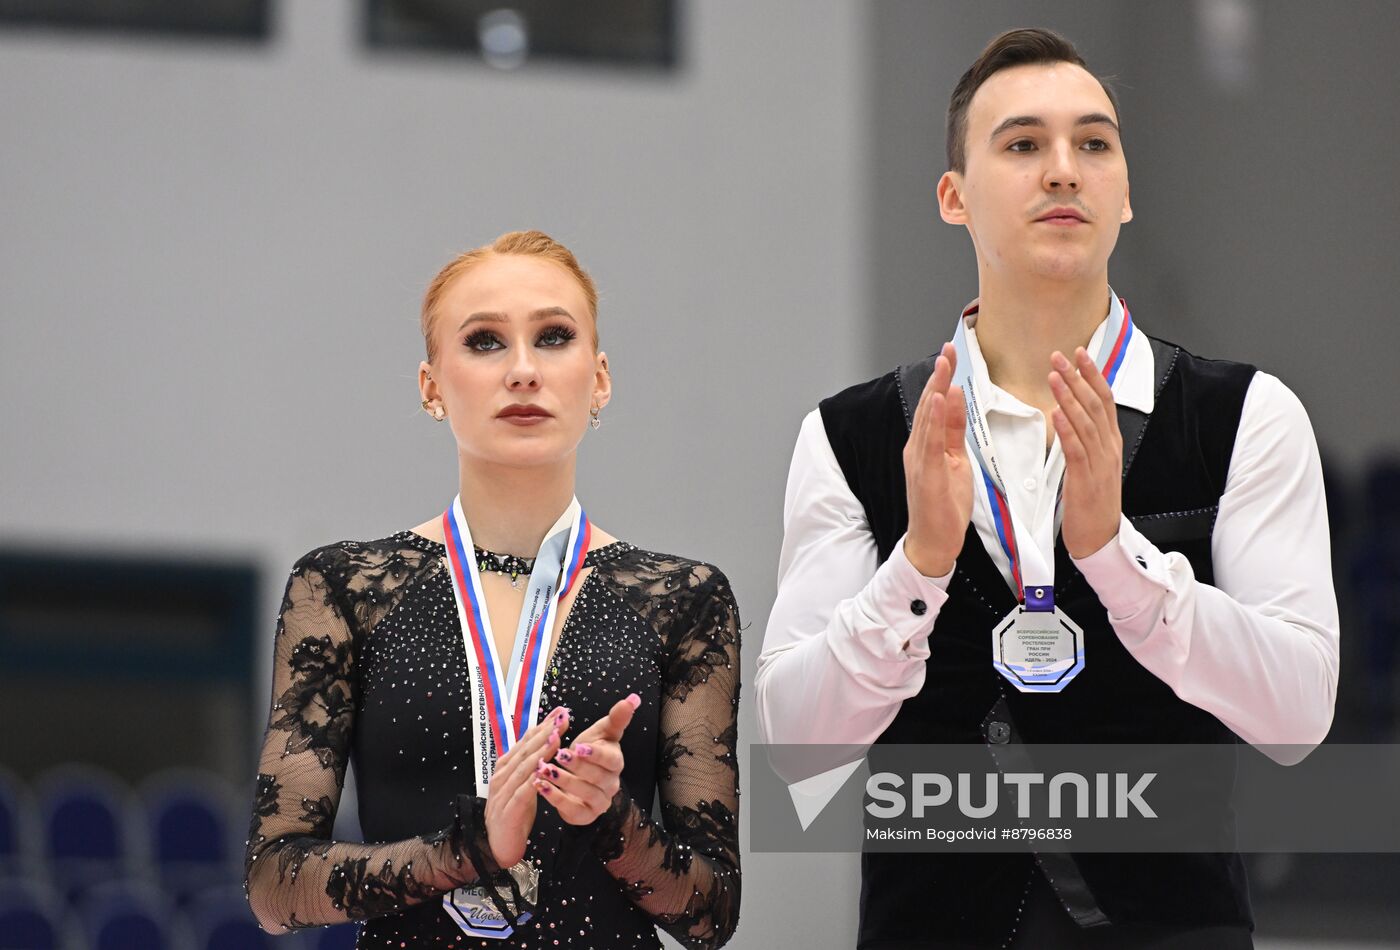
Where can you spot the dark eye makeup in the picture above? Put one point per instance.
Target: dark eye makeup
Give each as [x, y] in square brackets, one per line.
[482, 340]
[556, 335]
[485, 341]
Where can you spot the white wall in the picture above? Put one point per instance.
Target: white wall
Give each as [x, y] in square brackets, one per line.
[212, 259]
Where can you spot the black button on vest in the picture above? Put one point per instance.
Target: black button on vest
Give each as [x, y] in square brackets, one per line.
[1176, 463]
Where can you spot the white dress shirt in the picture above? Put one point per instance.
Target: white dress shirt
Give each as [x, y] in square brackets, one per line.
[1258, 650]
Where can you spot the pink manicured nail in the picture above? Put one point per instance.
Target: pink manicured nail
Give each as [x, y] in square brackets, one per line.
[565, 756]
[583, 748]
[634, 699]
[543, 787]
[552, 772]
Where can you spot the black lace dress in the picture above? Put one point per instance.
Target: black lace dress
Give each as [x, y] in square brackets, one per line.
[370, 669]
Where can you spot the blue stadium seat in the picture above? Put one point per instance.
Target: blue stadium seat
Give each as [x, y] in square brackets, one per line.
[131, 915]
[29, 918]
[222, 920]
[85, 818]
[186, 816]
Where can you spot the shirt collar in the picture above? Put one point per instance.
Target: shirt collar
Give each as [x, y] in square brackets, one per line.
[1133, 387]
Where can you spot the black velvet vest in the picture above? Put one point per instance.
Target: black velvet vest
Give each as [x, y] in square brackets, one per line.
[1175, 464]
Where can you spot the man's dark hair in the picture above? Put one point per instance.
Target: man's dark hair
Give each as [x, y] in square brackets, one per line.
[1012, 48]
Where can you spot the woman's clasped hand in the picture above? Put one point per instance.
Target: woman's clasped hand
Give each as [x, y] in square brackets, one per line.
[580, 781]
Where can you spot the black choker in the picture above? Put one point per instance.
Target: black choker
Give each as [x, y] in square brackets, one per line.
[507, 565]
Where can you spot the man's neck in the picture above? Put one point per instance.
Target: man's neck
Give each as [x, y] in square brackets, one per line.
[510, 509]
[1020, 325]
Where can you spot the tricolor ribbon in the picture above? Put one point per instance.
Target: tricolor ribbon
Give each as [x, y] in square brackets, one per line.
[1036, 584]
[507, 695]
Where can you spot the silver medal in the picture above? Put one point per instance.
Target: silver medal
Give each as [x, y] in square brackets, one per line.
[476, 913]
[1038, 651]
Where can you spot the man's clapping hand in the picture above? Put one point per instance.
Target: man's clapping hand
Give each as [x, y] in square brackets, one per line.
[938, 482]
[1086, 420]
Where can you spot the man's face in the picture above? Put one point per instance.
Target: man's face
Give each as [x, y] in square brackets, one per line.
[1041, 139]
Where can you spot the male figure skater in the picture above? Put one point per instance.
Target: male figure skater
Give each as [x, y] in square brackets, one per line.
[1189, 546]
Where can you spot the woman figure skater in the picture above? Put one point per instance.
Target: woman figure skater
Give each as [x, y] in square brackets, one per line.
[514, 685]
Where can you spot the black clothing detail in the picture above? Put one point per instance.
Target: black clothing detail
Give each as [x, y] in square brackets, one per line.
[1179, 464]
[507, 565]
[370, 668]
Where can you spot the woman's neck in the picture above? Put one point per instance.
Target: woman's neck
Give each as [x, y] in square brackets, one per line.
[1018, 327]
[510, 509]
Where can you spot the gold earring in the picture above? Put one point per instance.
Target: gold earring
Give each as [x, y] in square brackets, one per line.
[434, 411]
[593, 421]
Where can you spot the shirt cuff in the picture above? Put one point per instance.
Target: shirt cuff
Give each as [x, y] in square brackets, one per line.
[1129, 574]
[905, 604]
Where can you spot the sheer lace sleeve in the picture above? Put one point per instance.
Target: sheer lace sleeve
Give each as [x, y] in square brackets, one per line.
[295, 875]
[684, 873]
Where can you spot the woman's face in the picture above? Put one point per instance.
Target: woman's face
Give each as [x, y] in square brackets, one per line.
[515, 369]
